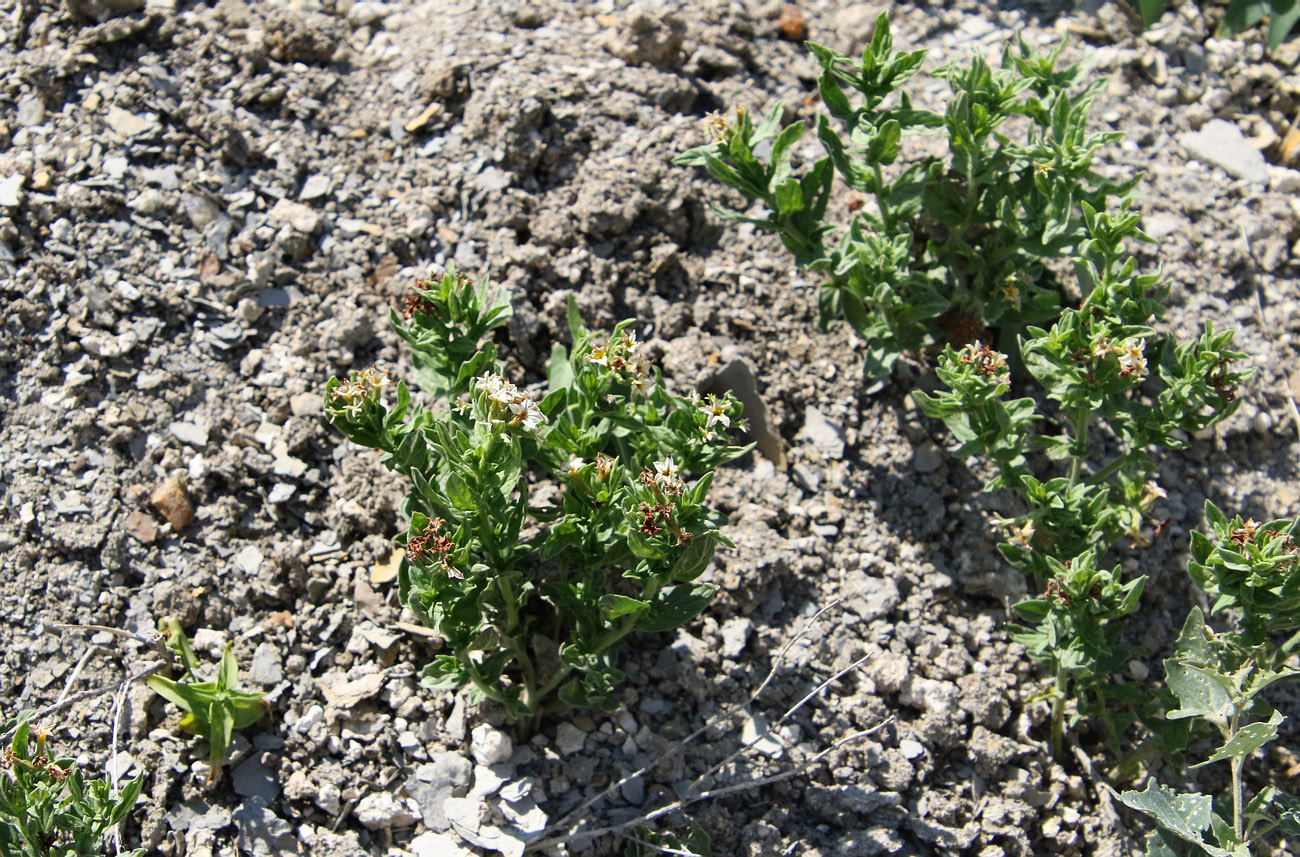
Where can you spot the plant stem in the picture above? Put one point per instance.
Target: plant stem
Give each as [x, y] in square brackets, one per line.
[1238, 795]
[886, 216]
[1057, 734]
[1079, 419]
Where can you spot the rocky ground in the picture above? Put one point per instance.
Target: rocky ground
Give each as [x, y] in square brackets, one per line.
[206, 211]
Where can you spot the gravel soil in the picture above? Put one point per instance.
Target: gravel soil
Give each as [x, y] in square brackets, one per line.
[206, 210]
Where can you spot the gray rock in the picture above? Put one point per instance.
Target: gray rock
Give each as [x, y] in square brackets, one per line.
[262, 832]
[436, 845]
[11, 190]
[316, 186]
[735, 634]
[251, 778]
[302, 218]
[368, 13]
[651, 36]
[991, 751]
[382, 811]
[127, 124]
[821, 434]
[197, 814]
[447, 775]
[267, 667]
[31, 110]
[927, 457]
[871, 597]
[200, 209]
[569, 739]
[101, 10]
[148, 202]
[928, 694]
[191, 433]
[1222, 144]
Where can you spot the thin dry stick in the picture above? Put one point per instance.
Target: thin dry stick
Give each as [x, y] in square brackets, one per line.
[76, 671]
[155, 641]
[712, 793]
[681, 745]
[662, 849]
[789, 712]
[87, 694]
[113, 774]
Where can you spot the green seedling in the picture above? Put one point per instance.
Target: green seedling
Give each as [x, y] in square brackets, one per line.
[47, 807]
[213, 709]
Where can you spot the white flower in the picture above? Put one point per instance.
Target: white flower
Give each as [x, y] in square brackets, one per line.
[716, 412]
[528, 414]
[666, 469]
[1151, 492]
[1022, 536]
[1131, 359]
[575, 466]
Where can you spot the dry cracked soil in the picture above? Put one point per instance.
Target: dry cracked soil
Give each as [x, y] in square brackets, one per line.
[206, 210]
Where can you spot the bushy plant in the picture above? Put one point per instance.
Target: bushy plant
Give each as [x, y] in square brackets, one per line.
[1113, 390]
[47, 806]
[534, 590]
[945, 248]
[1218, 679]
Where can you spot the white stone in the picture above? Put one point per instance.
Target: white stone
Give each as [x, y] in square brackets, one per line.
[436, 845]
[490, 746]
[11, 190]
[301, 217]
[1223, 145]
[249, 559]
[381, 811]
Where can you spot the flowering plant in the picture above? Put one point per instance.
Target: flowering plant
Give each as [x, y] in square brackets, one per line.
[46, 804]
[1215, 680]
[936, 251]
[1114, 390]
[543, 528]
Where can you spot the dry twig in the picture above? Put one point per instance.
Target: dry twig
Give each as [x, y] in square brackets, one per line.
[570, 823]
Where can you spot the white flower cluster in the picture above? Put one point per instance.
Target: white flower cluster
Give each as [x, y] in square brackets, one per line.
[352, 396]
[509, 399]
[664, 476]
[1132, 357]
[622, 355]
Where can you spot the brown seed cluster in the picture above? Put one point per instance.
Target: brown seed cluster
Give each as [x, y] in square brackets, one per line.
[431, 542]
[986, 361]
[416, 304]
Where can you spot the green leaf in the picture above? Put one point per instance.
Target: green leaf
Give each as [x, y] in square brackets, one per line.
[1247, 740]
[1184, 815]
[614, 606]
[218, 740]
[1159, 844]
[1150, 10]
[789, 198]
[677, 606]
[1200, 692]
[559, 372]
[576, 328]
[126, 801]
[228, 671]
[1282, 20]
